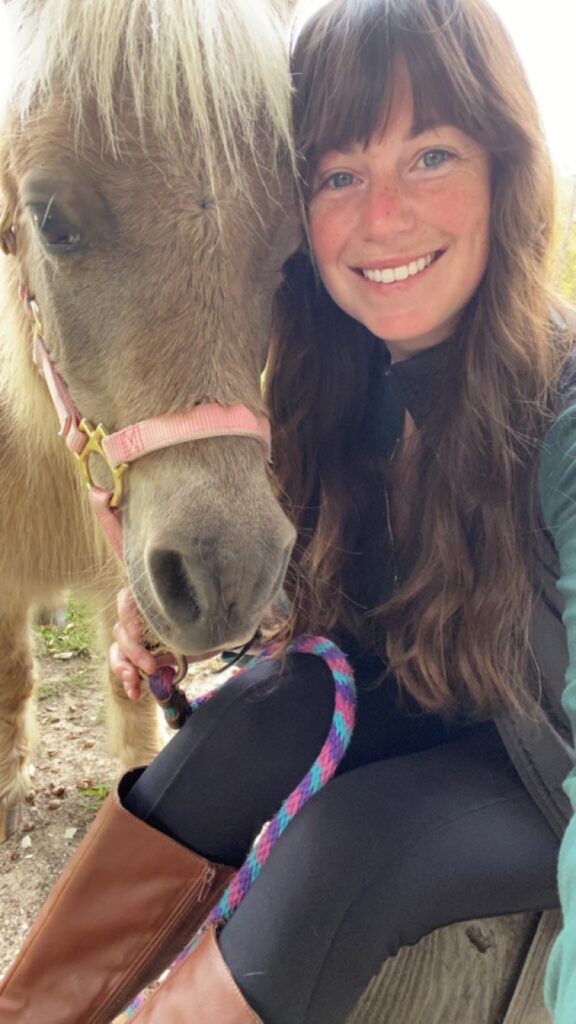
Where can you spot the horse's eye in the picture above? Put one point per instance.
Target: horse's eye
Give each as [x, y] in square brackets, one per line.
[55, 231]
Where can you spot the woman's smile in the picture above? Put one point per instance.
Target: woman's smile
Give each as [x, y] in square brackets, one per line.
[395, 271]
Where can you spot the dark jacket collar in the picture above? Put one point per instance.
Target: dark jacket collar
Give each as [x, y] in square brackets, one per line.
[416, 385]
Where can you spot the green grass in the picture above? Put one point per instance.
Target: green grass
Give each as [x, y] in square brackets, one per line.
[96, 796]
[76, 638]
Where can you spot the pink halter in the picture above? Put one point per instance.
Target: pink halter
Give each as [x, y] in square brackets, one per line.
[125, 446]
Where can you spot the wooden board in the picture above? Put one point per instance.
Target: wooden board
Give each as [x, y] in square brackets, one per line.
[477, 972]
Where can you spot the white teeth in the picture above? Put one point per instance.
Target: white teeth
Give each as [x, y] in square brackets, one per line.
[391, 274]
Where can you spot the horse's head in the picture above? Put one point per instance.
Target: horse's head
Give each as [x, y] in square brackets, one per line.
[147, 167]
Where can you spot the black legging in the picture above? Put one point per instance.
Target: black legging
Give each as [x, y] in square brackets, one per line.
[426, 824]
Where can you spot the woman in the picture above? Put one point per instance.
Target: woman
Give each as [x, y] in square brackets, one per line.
[424, 405]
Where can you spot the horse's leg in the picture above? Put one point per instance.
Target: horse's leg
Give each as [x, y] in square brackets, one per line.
[135, 729]
[17, 717]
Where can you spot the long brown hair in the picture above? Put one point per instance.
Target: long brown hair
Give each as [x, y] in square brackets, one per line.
[456, 630]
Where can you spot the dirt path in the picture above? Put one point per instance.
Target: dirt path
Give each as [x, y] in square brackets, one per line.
[72, 774]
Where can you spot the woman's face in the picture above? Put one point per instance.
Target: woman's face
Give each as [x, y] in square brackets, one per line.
[400, 229]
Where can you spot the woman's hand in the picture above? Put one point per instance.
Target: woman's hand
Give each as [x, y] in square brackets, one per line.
[128, 654]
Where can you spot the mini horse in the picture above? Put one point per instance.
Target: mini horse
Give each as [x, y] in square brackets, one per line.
[147, 204]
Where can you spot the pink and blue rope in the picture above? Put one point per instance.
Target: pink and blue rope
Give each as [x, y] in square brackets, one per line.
[323, 769]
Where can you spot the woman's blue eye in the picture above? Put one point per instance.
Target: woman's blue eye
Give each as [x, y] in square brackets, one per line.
[340, 179]
[436, 157]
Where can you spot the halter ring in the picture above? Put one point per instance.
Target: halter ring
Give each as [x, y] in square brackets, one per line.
[93, 446]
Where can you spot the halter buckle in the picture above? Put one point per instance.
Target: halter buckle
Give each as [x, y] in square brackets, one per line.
[93, 446]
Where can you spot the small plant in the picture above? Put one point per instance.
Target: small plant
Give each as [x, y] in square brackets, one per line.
[96, 796]
[74, 639]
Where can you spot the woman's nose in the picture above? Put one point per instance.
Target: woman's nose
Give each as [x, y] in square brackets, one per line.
[387, 208]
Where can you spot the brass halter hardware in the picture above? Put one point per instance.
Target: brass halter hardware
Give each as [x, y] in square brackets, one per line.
[95, 437]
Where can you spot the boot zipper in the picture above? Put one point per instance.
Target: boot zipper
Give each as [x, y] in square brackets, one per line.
[206, 883]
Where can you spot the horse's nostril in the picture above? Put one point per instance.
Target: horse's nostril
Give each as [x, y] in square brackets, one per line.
[174, 586]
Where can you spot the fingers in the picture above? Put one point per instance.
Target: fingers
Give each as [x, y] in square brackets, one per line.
[126, 672]
[128, 654]
[132, 648]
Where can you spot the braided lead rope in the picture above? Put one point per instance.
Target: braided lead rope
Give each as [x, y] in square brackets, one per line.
[170, 697]
[318, 775]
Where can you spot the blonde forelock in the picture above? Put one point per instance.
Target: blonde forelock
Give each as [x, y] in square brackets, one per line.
[217, 68]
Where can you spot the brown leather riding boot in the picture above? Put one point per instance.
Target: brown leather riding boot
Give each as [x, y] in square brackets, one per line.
[200, 990]
[126, 904]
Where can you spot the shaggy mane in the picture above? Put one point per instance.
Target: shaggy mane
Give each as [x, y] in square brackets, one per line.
[222, 64]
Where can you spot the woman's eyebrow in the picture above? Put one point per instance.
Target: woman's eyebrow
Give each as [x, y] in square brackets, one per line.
[430, 125]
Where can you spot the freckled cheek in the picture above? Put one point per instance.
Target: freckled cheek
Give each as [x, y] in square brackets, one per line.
[464, 215]
[328, 235]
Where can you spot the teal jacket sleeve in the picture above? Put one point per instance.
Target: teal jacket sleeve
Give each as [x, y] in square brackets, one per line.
[557, 488]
